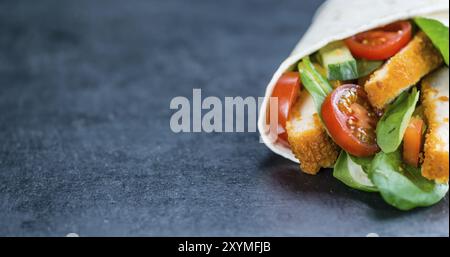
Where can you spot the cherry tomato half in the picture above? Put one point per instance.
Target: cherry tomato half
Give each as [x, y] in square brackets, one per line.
[350, 120]
[286, 90]
[412, 141]
[380, 43]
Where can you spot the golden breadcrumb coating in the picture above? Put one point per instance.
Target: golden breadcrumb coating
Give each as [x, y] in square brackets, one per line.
[436, 103]
[435, 165]
[402, 71]
[308, 138]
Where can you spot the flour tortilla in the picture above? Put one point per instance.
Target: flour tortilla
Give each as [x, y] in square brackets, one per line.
[339, 19]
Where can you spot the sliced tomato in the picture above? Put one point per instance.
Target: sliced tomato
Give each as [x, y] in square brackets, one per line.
[412, 141]
[350, 120]
[380, 43]
[286, 90]
[282, 136]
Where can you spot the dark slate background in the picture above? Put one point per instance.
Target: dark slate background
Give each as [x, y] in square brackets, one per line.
[85, 143]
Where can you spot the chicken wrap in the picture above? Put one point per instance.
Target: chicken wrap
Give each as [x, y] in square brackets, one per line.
[365, 92]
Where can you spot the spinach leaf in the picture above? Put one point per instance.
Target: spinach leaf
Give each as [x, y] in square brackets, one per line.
[437, 32]
[393, 123]
[365, 67]
[364, 162]
[316, 85]
[352, 174]
[403, 186]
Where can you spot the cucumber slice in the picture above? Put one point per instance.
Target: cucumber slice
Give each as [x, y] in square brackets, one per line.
[338, 61]
[352, 174]
[366, 67]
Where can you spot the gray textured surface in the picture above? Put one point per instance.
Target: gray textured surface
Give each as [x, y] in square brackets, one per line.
[86, 147]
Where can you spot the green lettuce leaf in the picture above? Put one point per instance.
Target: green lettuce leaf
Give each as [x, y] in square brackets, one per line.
[352, 174]
[316, 85]
[403, 186]
[364, 162]
[437, 32]
[392, 125]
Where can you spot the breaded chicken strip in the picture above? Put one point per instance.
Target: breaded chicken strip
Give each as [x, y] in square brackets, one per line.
[435, 99]
[309, 141]
[402, 71]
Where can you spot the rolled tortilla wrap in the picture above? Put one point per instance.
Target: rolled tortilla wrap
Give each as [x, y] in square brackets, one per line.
[337, 20]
